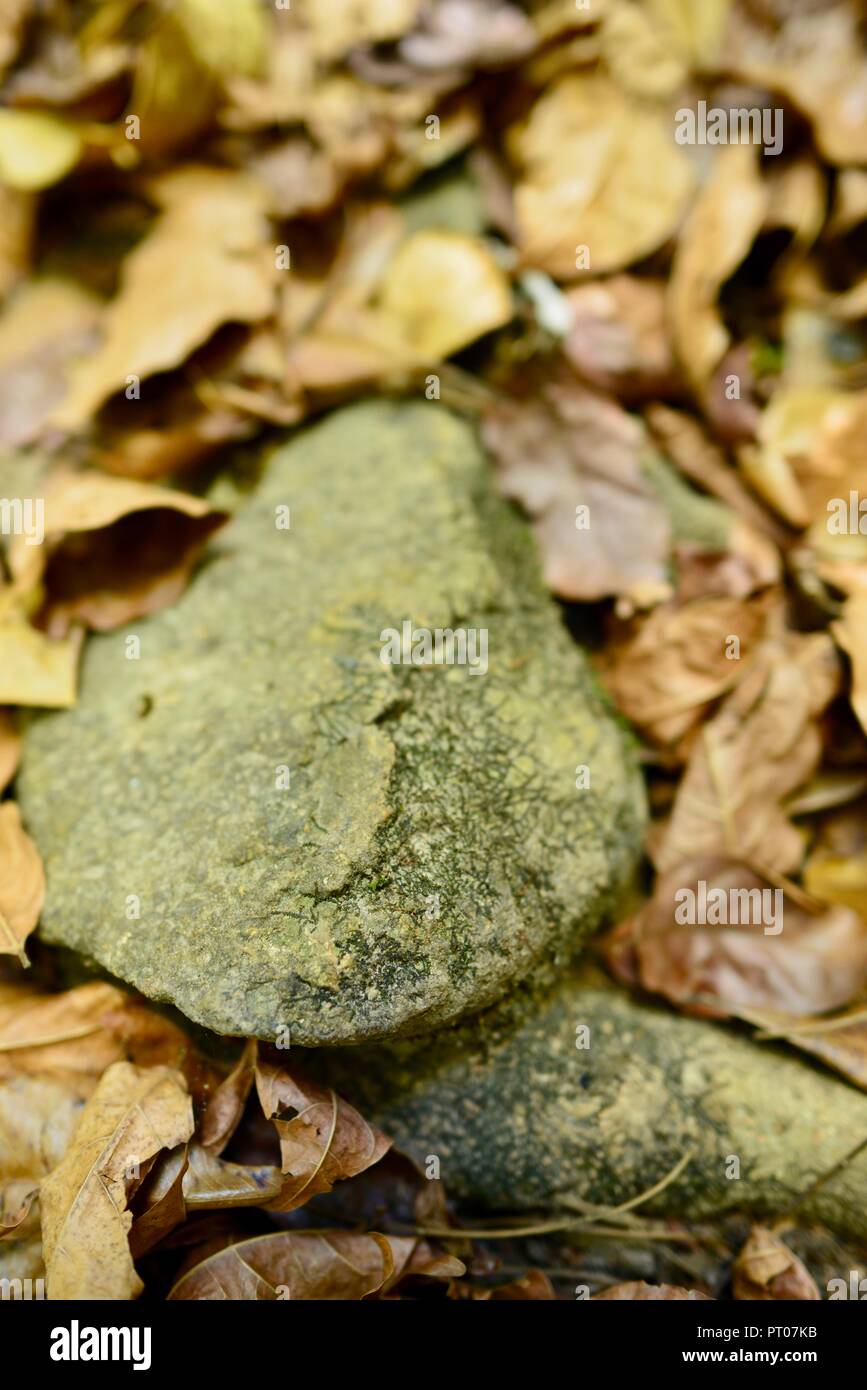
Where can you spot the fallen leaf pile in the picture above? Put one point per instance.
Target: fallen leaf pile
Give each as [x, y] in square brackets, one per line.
[217, 221]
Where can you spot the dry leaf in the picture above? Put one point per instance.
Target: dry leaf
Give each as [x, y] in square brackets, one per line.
[43, 328]
[290, 1264]
[441, 292]
[36, 148]
[618, 339]
[132, 1115]
[598, 169]
[22, 883]
[211, 1182]
[17, 219]
[839, 1041]
[660, 1293]
[783, 958]
[326, 1140]
[10, 748]
[114, 549]
[208, 260]
[850, 633]
[34, 670]
[717, 234]
[38, 1117]
[576, 449]
[762, 745]
[676, 660]
[226, 1106]
[767, 1269]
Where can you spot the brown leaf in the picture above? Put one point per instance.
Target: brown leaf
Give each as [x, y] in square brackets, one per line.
[782, 958]
[291, 1264]
[43, 328]
[533, 1285]
[17, 221]
[716, 237]
[22, 883]
[207, 261]
[598, 169]
[767, 1269]
[576, 448]
[38, 1117]
[840, 1041]
[114, 549]
[211, 1182]
[226, 1106]
[325, 1142]
[47, 1034]
[133, 1114]
[674, 663]
[762, 745]
[159, 1204]
[660, 1293]
[618, 340]
[10, 748]
[850, 633]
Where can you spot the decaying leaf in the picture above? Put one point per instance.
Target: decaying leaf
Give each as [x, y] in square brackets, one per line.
[324, 1142]
[573, 461]
[208, 260]
[114, 549]
[677, 660]
[291, 1264]
[226, 1106]
[132, 1115]
[718, 939]
[10, 748]
[716, 237]
[850, 633]
[598, 170]
[767, 1269]
[761, 746]
[22, 883]
[38, 1117]
[618, 338]
[659, 1293]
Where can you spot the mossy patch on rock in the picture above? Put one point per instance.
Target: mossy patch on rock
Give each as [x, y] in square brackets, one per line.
[250, 815]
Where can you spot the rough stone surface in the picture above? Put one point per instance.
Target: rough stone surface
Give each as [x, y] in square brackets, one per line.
[521, 1119]
[431, 847]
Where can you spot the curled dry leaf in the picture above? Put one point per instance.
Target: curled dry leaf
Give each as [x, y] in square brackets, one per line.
[22, 883]
[686, 944]
[226, 1106]
[206, 261]
[657, 1293]
[114, 549]
[761, 746]
[676, 660]
[132, 1115]
[850, 632]
[598, 170]
[575, 456]
[326, 1140]
[290, 1264]
[211, 1182]
[717, 234]
[38, 1117]
[10, 748]
[767, 1269]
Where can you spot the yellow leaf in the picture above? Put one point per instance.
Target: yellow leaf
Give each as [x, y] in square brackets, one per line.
[36, 149]
[442, 291]
[133, 1114]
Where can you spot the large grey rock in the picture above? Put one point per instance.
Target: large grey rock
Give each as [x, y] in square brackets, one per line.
[520, 1117]
[431, 847]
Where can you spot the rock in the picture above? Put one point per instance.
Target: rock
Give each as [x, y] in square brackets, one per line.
[257, 820]
[521, 1118]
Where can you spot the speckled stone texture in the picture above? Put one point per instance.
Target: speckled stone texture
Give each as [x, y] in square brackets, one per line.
[519, 1117]
[430, 848]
